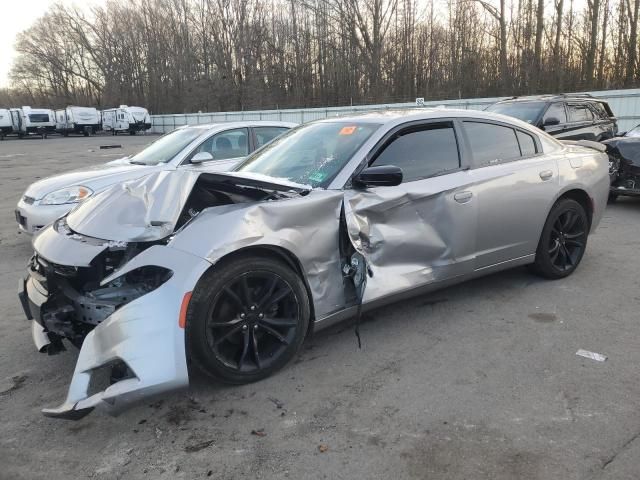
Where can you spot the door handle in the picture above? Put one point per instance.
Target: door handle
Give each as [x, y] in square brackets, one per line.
[463, 197]
[546, 175]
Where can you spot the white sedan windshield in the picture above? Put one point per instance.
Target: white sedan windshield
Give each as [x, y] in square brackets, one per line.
[166, 147]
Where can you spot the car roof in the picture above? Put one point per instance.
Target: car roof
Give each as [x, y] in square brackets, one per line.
[246, 123]
[553, 98]
[390, 117]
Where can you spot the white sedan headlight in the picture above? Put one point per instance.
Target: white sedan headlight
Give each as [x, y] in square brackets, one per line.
[67, 195]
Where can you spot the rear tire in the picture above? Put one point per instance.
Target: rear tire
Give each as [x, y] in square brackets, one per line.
[563, 240]
[246, 319]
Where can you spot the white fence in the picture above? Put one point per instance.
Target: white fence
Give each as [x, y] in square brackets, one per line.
[624, 103]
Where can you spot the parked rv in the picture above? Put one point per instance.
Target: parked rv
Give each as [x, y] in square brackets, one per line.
[27, 120]
[85, 120]
[6, 126]
[126, 119]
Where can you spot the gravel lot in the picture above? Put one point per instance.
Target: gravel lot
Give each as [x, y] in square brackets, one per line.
[478, 381]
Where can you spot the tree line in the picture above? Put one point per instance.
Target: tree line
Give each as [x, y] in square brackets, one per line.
[176, 56]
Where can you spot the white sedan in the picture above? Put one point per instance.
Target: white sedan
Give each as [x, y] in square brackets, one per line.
[213, 147]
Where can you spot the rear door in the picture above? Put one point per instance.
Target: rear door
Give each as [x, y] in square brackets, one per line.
[580, 124]
[515, 183]
[423, 230]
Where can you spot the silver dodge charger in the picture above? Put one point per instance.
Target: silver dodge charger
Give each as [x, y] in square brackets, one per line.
[229, 272]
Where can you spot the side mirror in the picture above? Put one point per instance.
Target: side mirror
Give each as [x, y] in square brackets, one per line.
[381, 176]
[551, 121]
[201, 157]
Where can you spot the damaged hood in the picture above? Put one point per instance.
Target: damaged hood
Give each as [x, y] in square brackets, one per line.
[96, 178]
[147, 209]
[627, 147]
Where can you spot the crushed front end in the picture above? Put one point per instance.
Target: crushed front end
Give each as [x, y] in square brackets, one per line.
[120, 304]
[624, 162]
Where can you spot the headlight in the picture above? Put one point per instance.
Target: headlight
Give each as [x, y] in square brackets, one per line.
[66, 195]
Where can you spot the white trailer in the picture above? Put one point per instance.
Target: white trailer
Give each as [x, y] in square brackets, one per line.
[126, 119]
[27, 120]
[85, 120]
[6, 125]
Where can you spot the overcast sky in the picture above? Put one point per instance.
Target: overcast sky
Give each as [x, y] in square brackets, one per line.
[16, 16]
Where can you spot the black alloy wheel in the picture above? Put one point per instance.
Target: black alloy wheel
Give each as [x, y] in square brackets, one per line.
[568, 240]
[247, 320]
[563, 240]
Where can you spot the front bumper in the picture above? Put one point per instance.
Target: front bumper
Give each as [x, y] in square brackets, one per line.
[33, 217]
[144, 335]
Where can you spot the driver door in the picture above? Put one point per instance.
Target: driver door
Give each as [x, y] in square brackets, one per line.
[422, 231]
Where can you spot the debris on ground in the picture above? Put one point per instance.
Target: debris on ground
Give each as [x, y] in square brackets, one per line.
[198, 446]
[598, 357]
[323, 448]
[11, 384]
[259, 433]
[276, 402]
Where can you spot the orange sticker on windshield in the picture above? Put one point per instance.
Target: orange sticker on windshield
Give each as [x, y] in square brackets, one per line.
[347, 130]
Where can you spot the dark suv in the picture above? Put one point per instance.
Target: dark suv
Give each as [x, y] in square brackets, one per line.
[566, 117]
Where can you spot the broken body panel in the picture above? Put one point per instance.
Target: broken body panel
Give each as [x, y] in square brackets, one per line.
[113, 274]
[624, 153]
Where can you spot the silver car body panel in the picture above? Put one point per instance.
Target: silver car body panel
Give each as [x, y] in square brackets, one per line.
[419, 235]
[144, 334]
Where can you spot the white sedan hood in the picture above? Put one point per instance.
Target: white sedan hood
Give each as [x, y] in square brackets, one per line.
[96, 178]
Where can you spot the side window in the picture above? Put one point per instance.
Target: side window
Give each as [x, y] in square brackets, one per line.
[527, 144]
[601, 112]
[422, 151]
[579, 113]
[265, 134]
[491, 143]
[229, 144]
[556, 110]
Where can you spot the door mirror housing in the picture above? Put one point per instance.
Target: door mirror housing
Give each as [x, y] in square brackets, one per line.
[551, 121]
[201, 157]
[381, 176]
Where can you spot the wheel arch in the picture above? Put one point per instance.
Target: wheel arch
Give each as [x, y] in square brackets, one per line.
[275, 252]
[582, 197]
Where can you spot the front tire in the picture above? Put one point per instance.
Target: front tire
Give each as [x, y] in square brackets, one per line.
[563, 240]
[246, 319]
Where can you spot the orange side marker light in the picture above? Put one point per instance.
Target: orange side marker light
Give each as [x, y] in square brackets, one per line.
[182, 321]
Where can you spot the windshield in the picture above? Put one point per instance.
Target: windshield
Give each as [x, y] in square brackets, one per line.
[526, 111]
[312, 154]
[166, 147]
[634, 132]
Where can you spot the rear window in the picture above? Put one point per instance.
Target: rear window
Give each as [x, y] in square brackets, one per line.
[600, 110]
[265, 134]
[527, 144]
[491, 143]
